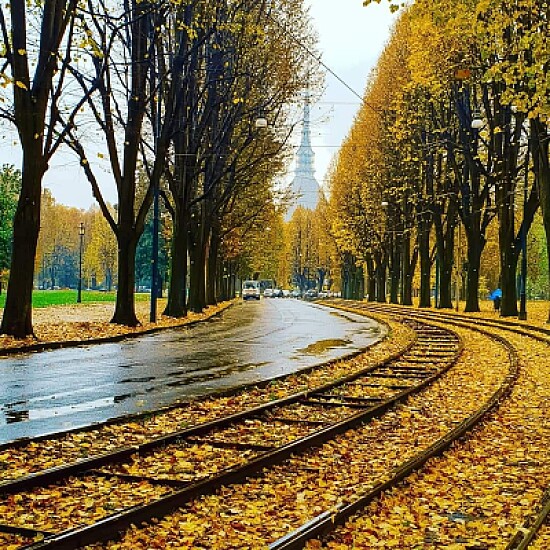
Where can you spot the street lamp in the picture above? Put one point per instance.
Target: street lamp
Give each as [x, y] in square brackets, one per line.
[477, 123]
[81, 233]
[261, 122]
[522, 314]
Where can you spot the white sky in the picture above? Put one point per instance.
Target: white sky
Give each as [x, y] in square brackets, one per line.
[351, 38]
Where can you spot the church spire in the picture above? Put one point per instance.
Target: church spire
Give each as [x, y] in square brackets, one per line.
[304, 185]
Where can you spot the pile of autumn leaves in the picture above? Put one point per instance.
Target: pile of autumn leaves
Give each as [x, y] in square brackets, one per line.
[476, 496]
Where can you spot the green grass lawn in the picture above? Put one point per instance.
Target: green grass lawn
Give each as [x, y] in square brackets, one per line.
[45, 298]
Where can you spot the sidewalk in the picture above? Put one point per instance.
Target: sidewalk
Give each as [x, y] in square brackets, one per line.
[76, 323]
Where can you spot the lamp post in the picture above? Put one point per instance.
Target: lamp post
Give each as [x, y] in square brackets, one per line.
[81, 234]
[261, 122]
[157, 122]
[522, 315]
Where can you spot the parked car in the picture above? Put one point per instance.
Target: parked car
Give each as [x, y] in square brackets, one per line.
[311, 294]
[277, 293]
[296, 293]
[286, 293]
[251, 290]
[268, 293]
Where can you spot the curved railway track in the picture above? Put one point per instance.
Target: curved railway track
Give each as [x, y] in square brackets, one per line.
[539, 518]
[267, 435]
[161, 475]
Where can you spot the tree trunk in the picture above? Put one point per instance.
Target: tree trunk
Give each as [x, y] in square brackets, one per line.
[371, 279]
[177, 304]
[395, 273]
[31, 98]
[408, 269]
[359, 283]
[425, 265]
[509, 303]
[197, 271]
[17, 318]
[197, 280]
[446, 275]
[541, 164]
[125, 313]
[212, 270]
[475, 248]
[508, 254]
[380, 280]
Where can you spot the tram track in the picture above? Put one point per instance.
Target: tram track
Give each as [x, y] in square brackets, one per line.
[263, 511]
[242, 445]
[537, 521]
[325, 521]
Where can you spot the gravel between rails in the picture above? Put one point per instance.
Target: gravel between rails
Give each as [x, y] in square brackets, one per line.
[262, 510]
[479, 494]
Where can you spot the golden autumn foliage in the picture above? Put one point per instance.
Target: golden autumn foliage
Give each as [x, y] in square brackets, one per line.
[414, 165]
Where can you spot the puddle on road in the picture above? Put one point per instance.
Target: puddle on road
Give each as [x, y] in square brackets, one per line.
[322, 346]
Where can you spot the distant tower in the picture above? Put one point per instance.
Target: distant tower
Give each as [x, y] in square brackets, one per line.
[305, 186]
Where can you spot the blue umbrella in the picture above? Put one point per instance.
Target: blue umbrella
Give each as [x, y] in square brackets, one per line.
[495, 294]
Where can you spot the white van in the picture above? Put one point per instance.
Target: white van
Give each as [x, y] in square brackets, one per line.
[251, 290]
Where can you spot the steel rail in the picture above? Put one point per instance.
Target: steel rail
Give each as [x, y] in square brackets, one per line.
[528, 532]
[109, 526]
[326, 522]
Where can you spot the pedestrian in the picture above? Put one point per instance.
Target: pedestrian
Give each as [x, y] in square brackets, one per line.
[496, 296]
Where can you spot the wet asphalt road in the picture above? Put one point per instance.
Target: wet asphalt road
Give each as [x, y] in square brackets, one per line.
[50, 391]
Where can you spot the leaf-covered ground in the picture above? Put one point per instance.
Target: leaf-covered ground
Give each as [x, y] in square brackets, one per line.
[542, 542]
[81, 322]
[476, 496]
[480, 493]
[255, 513]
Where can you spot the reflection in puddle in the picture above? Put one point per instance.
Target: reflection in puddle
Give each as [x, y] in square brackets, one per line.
[16, 416]
[322, 346]
[216, 375]
[143, 379]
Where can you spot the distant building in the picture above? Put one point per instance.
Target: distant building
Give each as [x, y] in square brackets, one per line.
[304, 186]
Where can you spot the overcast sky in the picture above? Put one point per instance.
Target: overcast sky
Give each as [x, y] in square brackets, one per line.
[351, 38]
